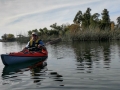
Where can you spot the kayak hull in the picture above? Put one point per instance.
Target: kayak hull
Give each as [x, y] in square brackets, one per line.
[21, 67]
[10, 60]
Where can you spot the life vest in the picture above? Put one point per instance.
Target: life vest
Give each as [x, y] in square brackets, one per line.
[34, 43]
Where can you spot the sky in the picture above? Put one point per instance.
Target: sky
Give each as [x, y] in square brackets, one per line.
[20, 16]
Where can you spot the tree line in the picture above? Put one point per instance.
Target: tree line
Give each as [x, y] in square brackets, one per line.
[88, 21]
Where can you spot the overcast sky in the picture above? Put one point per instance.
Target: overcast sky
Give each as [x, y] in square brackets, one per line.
[19, 16]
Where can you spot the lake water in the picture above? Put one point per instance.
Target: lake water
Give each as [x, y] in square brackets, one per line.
[70, 66]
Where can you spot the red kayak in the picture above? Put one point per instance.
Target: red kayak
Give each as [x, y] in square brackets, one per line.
[24, 57]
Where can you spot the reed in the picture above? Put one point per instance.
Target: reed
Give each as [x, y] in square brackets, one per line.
[95, 35]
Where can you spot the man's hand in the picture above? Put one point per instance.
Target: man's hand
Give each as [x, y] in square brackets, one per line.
[39, 46]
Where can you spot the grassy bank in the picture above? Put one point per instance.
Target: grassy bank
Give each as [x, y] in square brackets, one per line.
[86, 35]
[94, 35]
[45, 38]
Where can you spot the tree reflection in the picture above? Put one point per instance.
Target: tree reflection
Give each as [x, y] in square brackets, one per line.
[106, 55]
[88, 53]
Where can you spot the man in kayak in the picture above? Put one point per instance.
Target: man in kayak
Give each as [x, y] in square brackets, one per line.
[35, 44]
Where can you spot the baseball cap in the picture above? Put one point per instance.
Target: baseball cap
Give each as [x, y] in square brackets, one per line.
[34, 33]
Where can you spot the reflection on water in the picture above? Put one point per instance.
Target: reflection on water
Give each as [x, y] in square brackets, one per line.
[18, 67]
[89, 53]
[75, 66]
[13, 71]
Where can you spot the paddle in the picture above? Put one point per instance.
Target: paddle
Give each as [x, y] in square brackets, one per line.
[57, 40]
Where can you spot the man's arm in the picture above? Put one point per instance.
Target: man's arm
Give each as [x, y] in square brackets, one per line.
[27, 45]
[41, 45]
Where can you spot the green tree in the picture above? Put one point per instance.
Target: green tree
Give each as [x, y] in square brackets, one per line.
[29, 32]
[78, 18]
[94, 21]
[105, 22]
[4, 37]
[35, 30]
[41, 31]
[8, 37]
[56, 27]
[118, 22]
[86, 19]
[45, 30]
[53, 32]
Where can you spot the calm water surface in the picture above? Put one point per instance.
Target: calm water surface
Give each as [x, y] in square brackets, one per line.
[70, 66]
